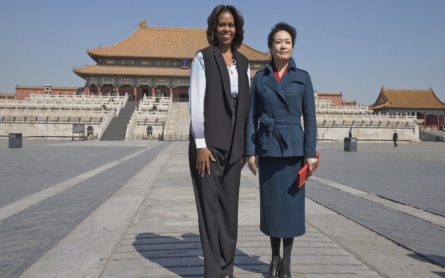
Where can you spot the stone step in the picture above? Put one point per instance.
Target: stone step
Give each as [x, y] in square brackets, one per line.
[118, 125]
[179, 122]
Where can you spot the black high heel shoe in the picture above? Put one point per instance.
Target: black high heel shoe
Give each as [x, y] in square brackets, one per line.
[283, 270]
[273, 270]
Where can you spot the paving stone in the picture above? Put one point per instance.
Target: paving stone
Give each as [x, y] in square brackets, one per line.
[409, 231]
[158, 236]
[409, 174]
[33, 231]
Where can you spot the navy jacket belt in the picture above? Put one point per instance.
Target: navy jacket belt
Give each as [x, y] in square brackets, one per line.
[271, 124]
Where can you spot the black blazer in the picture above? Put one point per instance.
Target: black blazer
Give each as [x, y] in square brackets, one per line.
[218, 103]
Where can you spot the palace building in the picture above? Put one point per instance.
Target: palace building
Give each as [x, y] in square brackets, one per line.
[423, 104]
[153, 61]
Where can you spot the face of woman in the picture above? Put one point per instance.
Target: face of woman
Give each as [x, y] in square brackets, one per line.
[281, 48]
[225, 29]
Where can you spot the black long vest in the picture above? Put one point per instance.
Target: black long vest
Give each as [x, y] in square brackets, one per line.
[219, 132]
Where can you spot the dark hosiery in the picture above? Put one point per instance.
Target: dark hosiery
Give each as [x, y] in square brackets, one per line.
[287, 250]
[275, 244]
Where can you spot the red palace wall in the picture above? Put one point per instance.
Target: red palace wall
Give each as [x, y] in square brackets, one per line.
[21, 94]
[180, 93]
[337, 100]
[431, 121]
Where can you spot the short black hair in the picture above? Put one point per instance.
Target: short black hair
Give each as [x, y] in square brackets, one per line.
[212, 22]
[282, 26]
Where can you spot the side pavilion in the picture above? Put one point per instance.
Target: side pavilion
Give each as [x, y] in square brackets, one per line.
[424, 104]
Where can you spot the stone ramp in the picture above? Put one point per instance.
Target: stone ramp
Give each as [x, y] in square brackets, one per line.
[118, 126]
[179, 121]
[163, 239]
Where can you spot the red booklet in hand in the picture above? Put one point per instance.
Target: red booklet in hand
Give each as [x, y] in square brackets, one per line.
[303, 174]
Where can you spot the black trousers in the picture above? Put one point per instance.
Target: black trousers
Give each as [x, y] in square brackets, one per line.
[217, 196]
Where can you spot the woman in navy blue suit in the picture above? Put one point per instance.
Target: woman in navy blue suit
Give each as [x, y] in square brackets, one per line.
[278, 145]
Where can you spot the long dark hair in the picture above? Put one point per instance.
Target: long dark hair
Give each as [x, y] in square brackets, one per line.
[212, 22]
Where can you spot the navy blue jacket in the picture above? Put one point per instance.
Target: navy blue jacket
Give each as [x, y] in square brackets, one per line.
[274, 127]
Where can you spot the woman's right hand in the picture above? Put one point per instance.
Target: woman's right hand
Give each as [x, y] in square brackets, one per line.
[253, 163]
[203, 161]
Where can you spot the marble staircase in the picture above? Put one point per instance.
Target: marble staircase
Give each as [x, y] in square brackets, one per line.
[179, 121]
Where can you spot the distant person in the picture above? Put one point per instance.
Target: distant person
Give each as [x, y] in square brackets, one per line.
[280, 144]
[219, 102]
[395, 136]
[350, 132]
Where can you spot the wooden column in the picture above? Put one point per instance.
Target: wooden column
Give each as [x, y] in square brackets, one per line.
[135, 92]
[152, 91]
[171, 92]
[98, 90]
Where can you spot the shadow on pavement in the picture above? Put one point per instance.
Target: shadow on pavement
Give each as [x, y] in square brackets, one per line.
[430, 259]
[435, 259]
[183, 256]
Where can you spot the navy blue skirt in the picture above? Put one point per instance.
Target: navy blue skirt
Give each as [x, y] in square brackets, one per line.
[282, 204]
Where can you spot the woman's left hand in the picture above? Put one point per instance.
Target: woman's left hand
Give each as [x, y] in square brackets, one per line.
[253, 163]
[243, 161]
[312, 162]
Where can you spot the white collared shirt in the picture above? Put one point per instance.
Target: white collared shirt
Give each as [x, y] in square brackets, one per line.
[197, 93]
[233, 74]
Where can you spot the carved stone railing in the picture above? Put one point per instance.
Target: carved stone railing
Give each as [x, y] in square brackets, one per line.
[432, 135]
[104, 125]
[129, 133]
[65, 102]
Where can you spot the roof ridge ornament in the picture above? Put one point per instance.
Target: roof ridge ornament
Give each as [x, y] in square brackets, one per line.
[143, 23]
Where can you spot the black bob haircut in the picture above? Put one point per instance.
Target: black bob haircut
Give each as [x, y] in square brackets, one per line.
[282, 26]
[212, 22]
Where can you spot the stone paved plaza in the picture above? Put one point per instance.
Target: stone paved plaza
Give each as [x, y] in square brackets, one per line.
[126, 209]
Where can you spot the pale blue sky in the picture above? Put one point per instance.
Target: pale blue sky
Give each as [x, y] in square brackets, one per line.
[352, 46]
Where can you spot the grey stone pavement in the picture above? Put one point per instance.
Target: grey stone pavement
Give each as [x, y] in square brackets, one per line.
[126, 209]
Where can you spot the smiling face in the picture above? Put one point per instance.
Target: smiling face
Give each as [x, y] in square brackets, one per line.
[225, 29]
[281, 48]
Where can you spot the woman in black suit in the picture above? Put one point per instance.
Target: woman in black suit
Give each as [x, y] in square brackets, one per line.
[218, 102]
[280, 95]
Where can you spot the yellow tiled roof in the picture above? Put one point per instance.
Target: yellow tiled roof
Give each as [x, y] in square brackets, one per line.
[166, 42]
[135, 71]
[402, 98]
